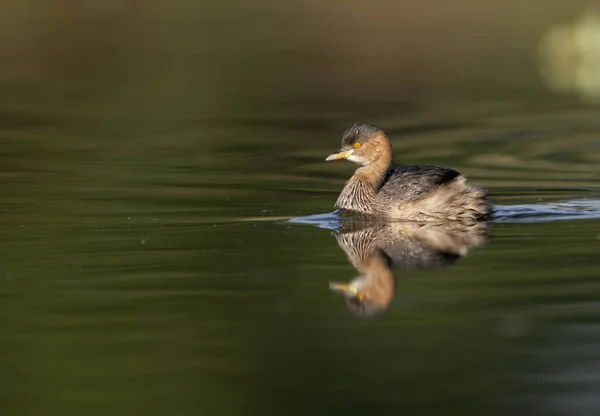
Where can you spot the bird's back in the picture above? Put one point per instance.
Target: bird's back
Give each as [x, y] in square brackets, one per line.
[420, 192]
[410, 183]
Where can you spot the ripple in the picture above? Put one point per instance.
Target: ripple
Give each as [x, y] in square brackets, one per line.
[556, 211]
[580, 209]
[330, 220]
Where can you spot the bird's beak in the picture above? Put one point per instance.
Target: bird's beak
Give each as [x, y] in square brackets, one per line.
[340, 155]
[347, 290]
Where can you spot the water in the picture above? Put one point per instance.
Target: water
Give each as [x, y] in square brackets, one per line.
[167, 240]
[141, 274]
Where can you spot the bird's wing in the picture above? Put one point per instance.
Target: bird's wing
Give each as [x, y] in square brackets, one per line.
[414, 182]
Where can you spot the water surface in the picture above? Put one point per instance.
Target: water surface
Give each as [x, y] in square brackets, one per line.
[149, 266]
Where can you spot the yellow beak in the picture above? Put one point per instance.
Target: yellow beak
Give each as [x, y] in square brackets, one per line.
[340, 155]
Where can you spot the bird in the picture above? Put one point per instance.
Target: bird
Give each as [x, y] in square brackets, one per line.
[413, 193]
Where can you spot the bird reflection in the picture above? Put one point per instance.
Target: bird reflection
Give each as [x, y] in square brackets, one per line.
[375, 248]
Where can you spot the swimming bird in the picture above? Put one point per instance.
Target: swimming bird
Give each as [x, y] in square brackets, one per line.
[419, 193]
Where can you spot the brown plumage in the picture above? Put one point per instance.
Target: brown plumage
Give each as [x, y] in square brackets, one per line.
[420, 193]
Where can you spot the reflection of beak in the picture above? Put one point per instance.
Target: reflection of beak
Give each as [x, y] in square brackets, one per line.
[347, 290]
[344, 288]
[340, 155]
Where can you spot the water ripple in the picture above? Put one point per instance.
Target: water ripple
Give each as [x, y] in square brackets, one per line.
[556, 211]
[580, 209]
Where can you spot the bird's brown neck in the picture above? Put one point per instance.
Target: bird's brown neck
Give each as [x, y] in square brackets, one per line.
[375, 172]
[360, 191]
[379, 160]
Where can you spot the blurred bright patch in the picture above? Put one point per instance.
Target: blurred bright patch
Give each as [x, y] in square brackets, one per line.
[570, 56]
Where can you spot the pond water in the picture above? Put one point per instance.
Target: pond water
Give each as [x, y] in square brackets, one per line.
[173, 266]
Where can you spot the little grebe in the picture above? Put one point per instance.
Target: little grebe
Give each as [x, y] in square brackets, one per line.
[418, 193]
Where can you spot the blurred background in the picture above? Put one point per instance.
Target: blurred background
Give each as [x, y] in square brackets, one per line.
[233, 59]
[151, 152]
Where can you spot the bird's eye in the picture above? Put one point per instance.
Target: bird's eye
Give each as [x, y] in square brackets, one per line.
[360, 296]
[357, 145]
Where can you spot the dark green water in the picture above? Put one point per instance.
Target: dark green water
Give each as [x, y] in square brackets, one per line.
[149, 267]
[166, 237]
